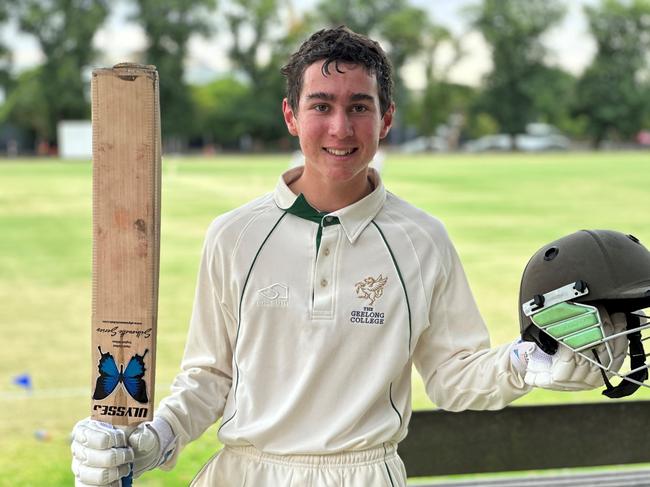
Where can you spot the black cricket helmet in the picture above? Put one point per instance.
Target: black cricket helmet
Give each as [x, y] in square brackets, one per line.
[571, 288]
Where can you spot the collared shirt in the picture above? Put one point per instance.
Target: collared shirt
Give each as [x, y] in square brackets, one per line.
[306, 325]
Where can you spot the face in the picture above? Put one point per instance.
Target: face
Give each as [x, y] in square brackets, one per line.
[338, 122]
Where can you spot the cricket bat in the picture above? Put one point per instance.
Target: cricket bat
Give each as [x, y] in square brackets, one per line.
[126, 242]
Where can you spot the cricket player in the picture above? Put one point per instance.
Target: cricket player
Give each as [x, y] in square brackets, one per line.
[313, 303]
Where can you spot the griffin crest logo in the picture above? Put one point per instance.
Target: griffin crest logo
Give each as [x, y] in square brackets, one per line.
[371, 288]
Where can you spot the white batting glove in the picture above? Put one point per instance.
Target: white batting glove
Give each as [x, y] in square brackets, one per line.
[102, 454]
[563, 371]
[152, 443]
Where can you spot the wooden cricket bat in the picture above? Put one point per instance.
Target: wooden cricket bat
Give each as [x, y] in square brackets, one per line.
[126, 242]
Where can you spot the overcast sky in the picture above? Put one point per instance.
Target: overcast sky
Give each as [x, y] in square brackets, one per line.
[569, 43]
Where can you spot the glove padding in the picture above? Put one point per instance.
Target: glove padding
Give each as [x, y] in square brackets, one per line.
[563, 371]
[103, 454]
[567, 370]
[100, 454]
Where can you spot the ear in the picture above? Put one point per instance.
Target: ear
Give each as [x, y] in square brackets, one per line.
[387, 121]
[289, 118]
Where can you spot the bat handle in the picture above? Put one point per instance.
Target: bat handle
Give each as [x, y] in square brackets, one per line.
[128, 480]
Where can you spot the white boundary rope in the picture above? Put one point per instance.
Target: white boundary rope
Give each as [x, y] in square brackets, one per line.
[54, 393]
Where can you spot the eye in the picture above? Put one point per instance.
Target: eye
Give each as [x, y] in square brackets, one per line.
[359, 109]
[320, 107]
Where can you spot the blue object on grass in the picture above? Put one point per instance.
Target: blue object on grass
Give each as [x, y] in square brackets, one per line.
[24, 381]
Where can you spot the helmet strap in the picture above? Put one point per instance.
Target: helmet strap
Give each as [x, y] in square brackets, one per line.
[637, 361]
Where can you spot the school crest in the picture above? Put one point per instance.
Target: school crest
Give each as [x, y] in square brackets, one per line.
[371, 288]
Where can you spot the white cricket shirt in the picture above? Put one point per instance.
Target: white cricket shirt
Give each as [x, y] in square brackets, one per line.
[305, 326]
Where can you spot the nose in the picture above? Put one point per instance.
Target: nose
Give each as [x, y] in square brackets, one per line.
[341, 125]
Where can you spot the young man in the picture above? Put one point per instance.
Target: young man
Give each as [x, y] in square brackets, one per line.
[312, 305]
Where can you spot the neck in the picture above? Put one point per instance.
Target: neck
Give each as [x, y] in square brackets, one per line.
[328, 196]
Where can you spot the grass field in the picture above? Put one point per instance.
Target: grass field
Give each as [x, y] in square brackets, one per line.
[499, 209]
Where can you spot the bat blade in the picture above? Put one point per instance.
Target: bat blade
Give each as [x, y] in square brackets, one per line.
[126, 242]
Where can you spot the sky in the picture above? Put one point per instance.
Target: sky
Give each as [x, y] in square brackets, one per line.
[569, 43]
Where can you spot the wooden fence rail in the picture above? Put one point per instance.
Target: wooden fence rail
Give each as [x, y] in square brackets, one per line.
[527, 438]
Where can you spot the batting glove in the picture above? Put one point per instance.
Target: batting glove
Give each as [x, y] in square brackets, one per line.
[567, 370]
[563, 371]
[103, 454]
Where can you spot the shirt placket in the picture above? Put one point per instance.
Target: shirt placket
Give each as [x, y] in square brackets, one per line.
[324, 287]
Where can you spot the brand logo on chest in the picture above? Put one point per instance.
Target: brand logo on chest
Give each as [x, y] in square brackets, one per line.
[370, 290]
[274, 296]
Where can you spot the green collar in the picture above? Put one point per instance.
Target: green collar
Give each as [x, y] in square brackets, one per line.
[302, 209]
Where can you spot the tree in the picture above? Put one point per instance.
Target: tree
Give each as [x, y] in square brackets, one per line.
[64, 30]
[513, 29]
[611, 93]
[5, 55]
[554, 97]
[218, 111]
[402, 31]
[168, 25]
[440, 97]
[259, 47]
[253, 19]
[26, 105]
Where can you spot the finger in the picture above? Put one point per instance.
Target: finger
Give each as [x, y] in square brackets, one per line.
[98, 436]
[577, 377]
[538, 379]
[566, 372]
[99, 476]
[111, 457]
[143, 440]
[581, 373]
[567, 368]
[595, 377]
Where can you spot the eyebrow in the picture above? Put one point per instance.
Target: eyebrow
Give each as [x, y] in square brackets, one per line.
[321, 95]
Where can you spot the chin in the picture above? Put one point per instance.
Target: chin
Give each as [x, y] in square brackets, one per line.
[346, 174]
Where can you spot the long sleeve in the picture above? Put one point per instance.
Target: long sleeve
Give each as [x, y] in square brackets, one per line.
[453, 354]
[200, 390]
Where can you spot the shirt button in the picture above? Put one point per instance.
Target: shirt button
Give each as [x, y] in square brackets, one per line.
[326, 251]
[323, 282]
[328, 219]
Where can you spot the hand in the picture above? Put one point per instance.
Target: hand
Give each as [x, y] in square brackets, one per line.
[562, 371]
[567, 370]
[102, 454]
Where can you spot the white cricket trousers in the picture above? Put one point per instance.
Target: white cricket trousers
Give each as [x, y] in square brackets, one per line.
[248, 467]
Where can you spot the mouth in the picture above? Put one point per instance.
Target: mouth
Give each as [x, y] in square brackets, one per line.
[340, 152]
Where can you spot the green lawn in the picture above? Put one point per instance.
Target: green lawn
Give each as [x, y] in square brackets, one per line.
[499, 209]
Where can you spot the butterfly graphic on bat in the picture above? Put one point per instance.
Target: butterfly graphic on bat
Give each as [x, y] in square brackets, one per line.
[131, 377]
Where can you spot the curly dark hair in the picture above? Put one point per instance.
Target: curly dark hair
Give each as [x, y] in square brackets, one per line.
[339, 45]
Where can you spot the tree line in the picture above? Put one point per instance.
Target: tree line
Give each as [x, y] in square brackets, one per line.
[609, 100]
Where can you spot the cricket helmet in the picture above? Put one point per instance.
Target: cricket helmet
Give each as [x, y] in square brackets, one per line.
[573, 288]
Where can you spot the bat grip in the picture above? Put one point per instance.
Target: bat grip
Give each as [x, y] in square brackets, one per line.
[128, 480]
